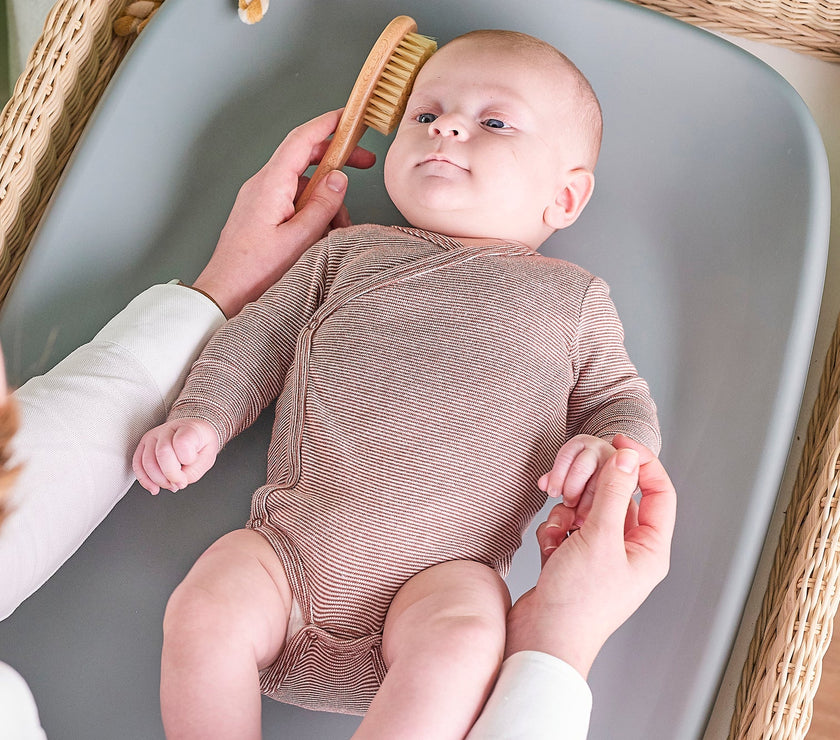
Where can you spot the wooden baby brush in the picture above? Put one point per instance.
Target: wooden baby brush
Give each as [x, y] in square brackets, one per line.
[379, 95]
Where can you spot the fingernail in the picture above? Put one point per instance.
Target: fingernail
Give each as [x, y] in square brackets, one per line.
[554, 493]
[337, 181]
[627, 460]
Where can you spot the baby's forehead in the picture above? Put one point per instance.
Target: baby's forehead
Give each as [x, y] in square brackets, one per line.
[501, 58]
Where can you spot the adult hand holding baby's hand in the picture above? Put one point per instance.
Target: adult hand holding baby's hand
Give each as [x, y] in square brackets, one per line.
[175, 454]
[594, 579]
[263, 236]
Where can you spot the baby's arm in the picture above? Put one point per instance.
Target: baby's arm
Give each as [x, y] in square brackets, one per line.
[608, 398]
[243, 367]
[175, 454]
[239, 372]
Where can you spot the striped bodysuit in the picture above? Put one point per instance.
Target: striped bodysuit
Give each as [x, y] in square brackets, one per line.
[422, 387]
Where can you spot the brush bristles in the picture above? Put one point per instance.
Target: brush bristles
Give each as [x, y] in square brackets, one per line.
[387, 103]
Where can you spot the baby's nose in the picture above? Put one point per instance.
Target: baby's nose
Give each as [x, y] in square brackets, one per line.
[446, 126]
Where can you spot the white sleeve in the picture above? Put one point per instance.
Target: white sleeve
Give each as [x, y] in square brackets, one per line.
[17, 707]
[80, 425]
[536, 697]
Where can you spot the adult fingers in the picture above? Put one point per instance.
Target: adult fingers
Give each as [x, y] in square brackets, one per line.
[342, 218]
[552, 532]
[295, 152]
[623, 442]
[631, 521]
[303, 146]
[313, 220]
[271, 191]
[360, 158]
[658, 507]
[616, 484]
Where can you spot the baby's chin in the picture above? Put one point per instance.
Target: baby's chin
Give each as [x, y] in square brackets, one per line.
[466, 230]
[463, 221]
[447, 222]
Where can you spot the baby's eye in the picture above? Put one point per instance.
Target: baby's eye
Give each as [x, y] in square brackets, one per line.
[426, 118]
[494, 123]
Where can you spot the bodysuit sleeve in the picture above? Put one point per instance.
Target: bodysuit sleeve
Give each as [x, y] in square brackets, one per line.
[242, 368]
[608, 396]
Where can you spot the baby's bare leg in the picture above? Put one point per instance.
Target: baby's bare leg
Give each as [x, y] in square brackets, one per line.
[443, 643]
[223, 623]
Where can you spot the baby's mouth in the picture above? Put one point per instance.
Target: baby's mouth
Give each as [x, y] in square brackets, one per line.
[442, 159]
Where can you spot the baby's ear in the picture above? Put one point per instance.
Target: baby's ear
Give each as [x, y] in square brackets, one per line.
[573, 194]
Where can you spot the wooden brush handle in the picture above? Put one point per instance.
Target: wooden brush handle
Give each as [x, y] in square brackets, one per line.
[352, 124]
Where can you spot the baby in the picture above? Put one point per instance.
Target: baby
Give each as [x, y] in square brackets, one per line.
[425, 380]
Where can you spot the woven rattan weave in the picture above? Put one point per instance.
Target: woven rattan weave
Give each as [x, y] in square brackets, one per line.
[65, 74]
[811, 26]
[793, 631]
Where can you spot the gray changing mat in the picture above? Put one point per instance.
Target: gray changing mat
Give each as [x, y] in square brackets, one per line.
[709, 222]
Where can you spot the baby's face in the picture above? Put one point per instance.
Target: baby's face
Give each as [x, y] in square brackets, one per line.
[484, 150]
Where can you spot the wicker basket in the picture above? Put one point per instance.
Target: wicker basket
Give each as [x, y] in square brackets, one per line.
[783, 668]
[811, 26]
[65, 74]
[73, 61]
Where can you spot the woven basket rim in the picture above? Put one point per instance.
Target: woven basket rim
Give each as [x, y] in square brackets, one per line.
[807, 26]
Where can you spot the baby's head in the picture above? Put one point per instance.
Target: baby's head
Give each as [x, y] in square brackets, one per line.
[498, 142]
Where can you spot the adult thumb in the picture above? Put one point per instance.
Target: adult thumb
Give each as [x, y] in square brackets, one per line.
[323, 204]
[616, 483]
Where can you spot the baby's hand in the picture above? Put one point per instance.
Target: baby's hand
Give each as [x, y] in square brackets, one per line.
[575, 472]
[175, 454]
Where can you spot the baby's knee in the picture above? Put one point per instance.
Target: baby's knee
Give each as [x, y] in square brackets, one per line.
[469, 634]
[194, 610]
[457, 610]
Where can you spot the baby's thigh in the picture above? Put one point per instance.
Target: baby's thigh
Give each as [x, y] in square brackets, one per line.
[237, 587]
[448, 608]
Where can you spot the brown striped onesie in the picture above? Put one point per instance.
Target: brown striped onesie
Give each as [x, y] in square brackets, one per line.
[422, 388]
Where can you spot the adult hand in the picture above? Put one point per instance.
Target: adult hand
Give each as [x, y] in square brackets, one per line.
[594, 579]
[263, 237]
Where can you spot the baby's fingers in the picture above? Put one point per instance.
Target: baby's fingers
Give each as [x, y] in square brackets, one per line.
[149, 463]
[580, 472]
[170, 464]
[196, 470]
[556, 481]
[139, 470]
[194, 452]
